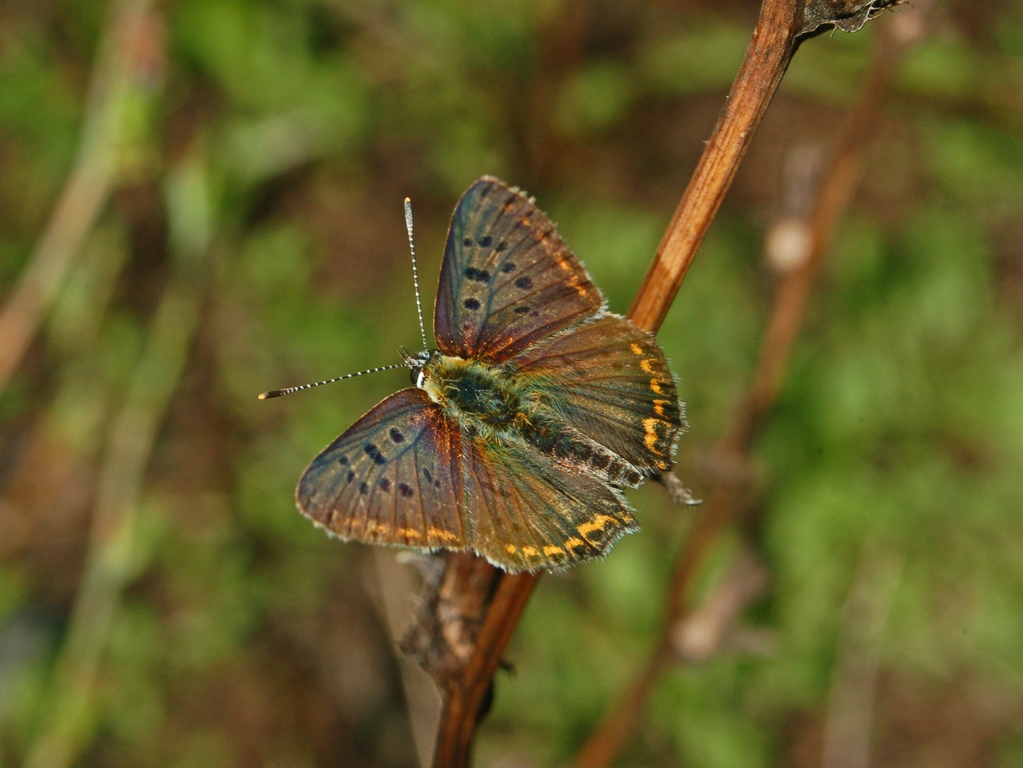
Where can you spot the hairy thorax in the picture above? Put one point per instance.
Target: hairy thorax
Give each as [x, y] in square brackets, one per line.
[492, 403]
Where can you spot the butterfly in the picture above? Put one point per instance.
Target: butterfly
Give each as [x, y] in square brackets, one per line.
[527, 422]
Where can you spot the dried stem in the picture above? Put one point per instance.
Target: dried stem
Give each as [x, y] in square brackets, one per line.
[118, 72]
[762, 69]
[112, 556]
[786, 319]
[865, 616]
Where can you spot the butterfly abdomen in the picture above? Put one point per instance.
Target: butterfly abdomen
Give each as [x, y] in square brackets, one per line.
[555, 438]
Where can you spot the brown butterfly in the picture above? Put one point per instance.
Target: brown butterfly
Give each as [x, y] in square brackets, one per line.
[526, 423]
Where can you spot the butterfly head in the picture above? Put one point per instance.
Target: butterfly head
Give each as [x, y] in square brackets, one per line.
[417, 364]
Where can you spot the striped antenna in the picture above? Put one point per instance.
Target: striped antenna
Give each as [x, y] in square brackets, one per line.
[415, 270]
[300, 387]
[409, 359]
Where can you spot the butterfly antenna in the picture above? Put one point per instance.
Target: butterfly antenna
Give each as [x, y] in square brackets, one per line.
[415, 269]
[299, 388]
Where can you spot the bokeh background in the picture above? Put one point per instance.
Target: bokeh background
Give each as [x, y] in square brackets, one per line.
[201, 199]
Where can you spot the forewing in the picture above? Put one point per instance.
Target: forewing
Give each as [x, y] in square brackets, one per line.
[529, 512]
[508, 279]
[609, 380]
[392, 478]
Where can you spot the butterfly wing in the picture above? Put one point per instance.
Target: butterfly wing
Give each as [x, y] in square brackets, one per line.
[392, 478]
[609, 380]
[508, 279]
[530, 513]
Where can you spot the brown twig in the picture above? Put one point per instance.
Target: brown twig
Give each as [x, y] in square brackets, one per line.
[763, 67]
[786, 319]
[778, 30]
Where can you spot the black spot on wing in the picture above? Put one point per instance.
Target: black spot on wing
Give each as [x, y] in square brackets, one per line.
[471, 304]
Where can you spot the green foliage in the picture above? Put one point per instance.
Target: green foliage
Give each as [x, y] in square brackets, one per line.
[263, 155]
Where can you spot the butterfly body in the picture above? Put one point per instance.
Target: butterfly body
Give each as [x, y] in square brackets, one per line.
[536, 411]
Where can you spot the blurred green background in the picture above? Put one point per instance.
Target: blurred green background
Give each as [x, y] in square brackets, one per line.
[204, 198]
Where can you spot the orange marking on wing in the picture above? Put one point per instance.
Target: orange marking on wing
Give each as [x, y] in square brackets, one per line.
[636, 348]
[651, 437]
[437, 533]
[510, 549]
[647, 365]
[529, 551]
[573, 542]
[655, 387]
[596, 524]
[552, 550]
[659, 406]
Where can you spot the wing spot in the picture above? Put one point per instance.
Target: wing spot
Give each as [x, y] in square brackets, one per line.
[363, 488]
[529, 551]
[659, 406]
[521, 309]
[552, 550]
[410, 533]
[396, 435]
[478, 275]
[509, 266]
[501, 246]
[655, 387]
[485, 241]
[343, 461]
[647, 364]
[574, 543]
[472, 304]
[636, 348]
[428, 475]
[405, 490]
[351, 476]
[385, 484]
[374, 453]
[524, 283]
[467, 242]
[510, 549]
[526, 222]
